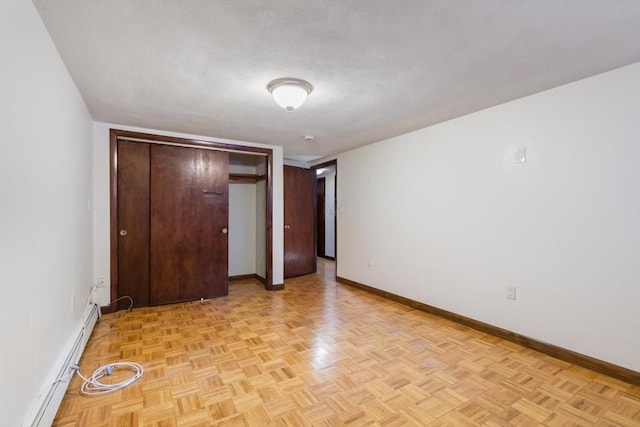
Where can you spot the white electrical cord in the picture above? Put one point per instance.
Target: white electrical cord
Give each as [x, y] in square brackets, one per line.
[92, 385]
[121, 298]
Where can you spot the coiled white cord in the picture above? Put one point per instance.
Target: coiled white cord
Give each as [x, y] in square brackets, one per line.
[93, 387]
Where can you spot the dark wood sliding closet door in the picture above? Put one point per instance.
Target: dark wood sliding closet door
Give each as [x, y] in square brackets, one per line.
[189, 220]
[172, 219]
[133, 223]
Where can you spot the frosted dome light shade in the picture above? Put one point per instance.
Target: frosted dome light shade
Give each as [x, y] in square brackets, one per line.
[289, 93]
[289, 97]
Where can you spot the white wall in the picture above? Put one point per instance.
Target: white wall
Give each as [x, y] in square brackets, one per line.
[444, 216]
[45, 224]
[101, 259]
[242, 229]
[242, 222]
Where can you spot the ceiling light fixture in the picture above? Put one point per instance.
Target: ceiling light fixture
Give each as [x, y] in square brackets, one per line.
[289, 93]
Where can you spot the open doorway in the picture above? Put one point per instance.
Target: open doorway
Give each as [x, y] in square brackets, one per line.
[326, 223]
[247, 216]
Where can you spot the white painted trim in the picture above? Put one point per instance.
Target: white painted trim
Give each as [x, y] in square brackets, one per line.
[45, 405]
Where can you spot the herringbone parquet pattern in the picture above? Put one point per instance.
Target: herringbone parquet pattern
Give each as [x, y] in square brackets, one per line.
[322, 354]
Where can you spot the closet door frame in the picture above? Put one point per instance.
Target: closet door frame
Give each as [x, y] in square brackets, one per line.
[117, 134]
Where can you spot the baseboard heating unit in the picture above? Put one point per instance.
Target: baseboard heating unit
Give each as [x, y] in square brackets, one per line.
[44, 409]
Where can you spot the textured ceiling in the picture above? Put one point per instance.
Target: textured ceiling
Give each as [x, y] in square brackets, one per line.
[379, 68]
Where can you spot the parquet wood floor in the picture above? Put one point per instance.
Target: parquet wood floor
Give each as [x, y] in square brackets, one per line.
[322, 354]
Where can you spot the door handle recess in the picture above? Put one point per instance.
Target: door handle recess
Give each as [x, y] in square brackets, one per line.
[212, 193]
[225, 230]
[123, 232]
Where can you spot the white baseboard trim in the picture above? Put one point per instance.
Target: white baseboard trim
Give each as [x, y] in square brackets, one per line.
[44, 409]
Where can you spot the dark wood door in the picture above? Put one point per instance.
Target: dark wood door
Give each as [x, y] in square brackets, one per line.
[189, 220]
[320, 207]
[299, 228]
[133, 223]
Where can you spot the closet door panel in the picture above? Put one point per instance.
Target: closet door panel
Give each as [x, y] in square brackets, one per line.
[133, 223]
[189, 220]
